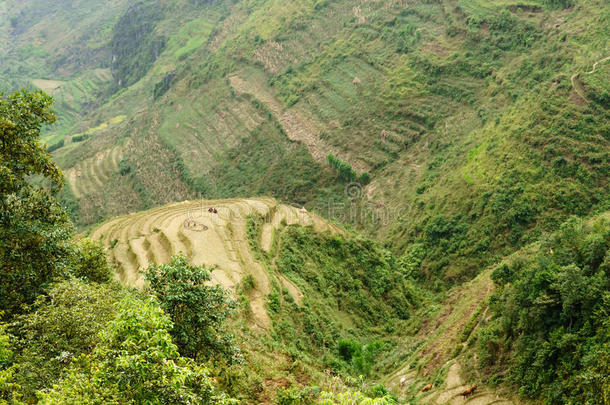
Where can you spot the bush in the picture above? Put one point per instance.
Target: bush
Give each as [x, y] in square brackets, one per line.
[353, 398]
[90, 263]
[80, 137]
[365, 178]
[344, 169]
[55, 146]
[63, 324]
[348, 349]
[8, 388]
[550, 320]
[124, 167]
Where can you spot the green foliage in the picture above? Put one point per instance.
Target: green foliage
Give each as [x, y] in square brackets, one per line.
[356, 272]
[90, 262]
[379, 391]
[296, 396]
[356, 398]
[360, 358]
[247, 284]
[56, 146]
[550, 315]
[264, 163]
[135, 362]
[22, 115]
[344, 169]
[365, 178]
[352, 292]
[348, 349]
[8, 387]
[34, 229]
[63, 324]
[124, 167]
[410, 262]
[80, 137]
[196, 309]
[164, 85]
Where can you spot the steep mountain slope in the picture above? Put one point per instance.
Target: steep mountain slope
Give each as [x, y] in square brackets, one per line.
[478, 121]
[303, 286]
[481, 125]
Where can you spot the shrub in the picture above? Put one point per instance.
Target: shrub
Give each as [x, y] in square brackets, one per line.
[63, 324]
[90, 263]
[348, 349]
[550, 319]
[124, 167]
[136, 362]
[80, 137]
[55, 146]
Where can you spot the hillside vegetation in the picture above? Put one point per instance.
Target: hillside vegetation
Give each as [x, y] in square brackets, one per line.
[479, 121]
[408, 195]
[240, 329]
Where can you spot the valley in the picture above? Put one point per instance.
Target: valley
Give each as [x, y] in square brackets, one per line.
[309, 201]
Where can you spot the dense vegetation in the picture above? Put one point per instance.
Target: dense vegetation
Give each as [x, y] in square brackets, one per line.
[359, 280]
[72, 335]
[477, 127]
[134, 44]
[551, 316]
[477, 122]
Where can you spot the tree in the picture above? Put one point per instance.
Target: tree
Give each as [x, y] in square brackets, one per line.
[34, 229]
[136, 362]
[64, 323]
[197, 310]
[21, 116]
[550, 316]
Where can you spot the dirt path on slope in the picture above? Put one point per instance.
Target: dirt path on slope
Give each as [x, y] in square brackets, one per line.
[437, 338]
[577, 85]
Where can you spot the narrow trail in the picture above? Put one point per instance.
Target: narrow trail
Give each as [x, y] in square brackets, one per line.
[217, 241]
[577, 86]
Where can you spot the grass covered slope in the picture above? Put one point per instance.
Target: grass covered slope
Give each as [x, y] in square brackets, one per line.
[482, 121]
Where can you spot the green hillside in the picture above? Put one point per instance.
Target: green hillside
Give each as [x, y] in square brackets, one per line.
[461, 146]
[478, 121]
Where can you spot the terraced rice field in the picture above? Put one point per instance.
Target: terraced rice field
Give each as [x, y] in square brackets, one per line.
[217, 241]
[90, 175]
[295, 124]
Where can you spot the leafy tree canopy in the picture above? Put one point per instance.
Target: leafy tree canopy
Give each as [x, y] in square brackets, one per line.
[136, 362]
[34, 229]
[197, 310]
[552, 316]
[63, 324]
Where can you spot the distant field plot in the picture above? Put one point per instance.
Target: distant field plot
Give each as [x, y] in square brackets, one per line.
[73, 98]
[48, 86]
